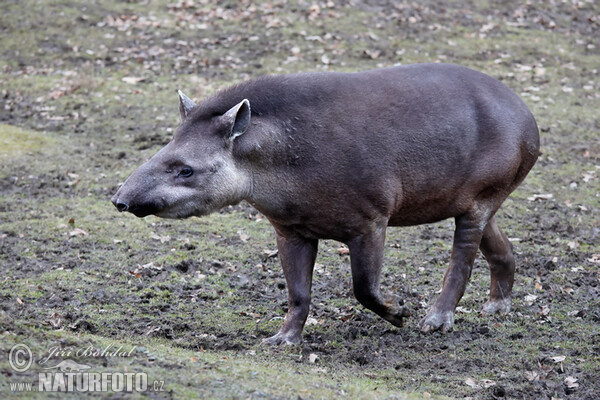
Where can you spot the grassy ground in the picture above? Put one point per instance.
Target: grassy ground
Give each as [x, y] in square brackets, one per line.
[88, 93]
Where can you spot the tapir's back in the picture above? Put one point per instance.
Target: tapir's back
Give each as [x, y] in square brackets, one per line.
[412, 104]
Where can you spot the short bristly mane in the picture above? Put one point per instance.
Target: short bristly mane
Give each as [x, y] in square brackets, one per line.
[270, 94]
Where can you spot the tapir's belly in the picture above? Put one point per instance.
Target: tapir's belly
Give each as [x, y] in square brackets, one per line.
[346, 214]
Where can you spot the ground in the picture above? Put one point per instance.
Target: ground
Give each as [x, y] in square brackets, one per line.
[88, 92]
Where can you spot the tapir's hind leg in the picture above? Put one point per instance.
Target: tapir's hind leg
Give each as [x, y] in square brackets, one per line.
[366, 258]
[498, 252]
[467, 237]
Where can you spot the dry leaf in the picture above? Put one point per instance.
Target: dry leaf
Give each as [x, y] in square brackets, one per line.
[78, 232]
[532, 376]
[530, 298]
[473, 383]
[372, 54]
[571, 382]
[487, 383]
[132, 80]
[312, 358]
[567, 290]
[163, 239]
[541, 196]
[595, 259]
[243, 237]
[269, 254]
[343, 251]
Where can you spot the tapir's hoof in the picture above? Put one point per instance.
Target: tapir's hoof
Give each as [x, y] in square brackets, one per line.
[396, 311]
[397, 319]
[437, 320]
[501, 306]
[283, 338]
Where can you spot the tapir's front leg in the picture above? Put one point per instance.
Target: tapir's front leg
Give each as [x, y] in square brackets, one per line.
[297, 255]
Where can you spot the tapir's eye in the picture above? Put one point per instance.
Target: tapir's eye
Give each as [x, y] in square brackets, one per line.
[186, 171]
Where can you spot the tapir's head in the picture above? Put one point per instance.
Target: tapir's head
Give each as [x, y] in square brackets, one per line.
[196, 172]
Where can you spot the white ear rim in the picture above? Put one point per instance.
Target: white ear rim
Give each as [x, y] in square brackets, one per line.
[185, 105]
[232, 117]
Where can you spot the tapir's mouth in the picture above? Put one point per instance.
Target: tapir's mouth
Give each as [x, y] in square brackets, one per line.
[139, 210]
[143, 210]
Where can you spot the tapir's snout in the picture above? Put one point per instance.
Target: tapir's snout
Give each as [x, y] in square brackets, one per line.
[121, 205]
[125, 201]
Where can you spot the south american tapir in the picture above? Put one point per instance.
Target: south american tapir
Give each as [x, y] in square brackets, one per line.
[343, 156]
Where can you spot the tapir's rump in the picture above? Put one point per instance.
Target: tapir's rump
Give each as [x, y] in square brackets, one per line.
[344, 155]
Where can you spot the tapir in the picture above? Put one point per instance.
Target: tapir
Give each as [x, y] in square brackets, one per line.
[342, 156]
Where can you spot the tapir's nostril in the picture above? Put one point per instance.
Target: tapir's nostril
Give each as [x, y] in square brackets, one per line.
[121, 206]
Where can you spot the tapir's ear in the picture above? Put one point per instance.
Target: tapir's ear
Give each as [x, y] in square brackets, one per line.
[185, 105]
[237, 119]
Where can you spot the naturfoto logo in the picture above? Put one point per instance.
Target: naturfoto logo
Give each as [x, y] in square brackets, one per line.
[63, 374]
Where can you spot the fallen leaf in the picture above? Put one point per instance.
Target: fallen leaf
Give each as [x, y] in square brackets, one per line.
[567, 290]
[243, 237]
[269, 254]
[343, 251]
[132, 80]
[487, 383]
[19, 301]
[163, 239]
[595, 259]
[312, 358]
[532, 376]
[571, 382]
[314, 11]
[530, 298]
[588, 176]
[78, 232]
[541, 196]
[372, 54]
[473, 383]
